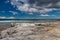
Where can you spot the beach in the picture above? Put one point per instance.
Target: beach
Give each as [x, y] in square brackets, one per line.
[31, 31]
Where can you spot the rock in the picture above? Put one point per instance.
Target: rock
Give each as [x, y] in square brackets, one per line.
[29, 31]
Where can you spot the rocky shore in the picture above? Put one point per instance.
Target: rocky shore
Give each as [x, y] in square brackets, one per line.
[32, 31]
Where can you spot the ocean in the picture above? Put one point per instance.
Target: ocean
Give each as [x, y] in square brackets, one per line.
[29, 20]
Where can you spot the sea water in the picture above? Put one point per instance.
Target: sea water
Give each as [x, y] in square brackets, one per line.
[28, 20]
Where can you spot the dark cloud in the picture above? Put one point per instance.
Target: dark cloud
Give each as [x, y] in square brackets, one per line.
[54, 3]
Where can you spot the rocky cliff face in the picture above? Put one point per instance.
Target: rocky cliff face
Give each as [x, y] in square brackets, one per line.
[30, 31]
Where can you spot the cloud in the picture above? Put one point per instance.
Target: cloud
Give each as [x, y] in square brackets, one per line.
[45, 3]
[45, 10]
[2, 17]
[47, 15]
[44, 15]
[58, 3]
[18, 2]
[27, 8]
[11, 17]
[7, 1]
[23, 7]
[14, 12]
[32, 6]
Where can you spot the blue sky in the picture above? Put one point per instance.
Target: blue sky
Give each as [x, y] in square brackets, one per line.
[22, 9]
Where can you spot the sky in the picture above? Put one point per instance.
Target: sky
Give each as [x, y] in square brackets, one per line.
[29, 9]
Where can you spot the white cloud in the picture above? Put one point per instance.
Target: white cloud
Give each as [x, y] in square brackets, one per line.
[2, 17]
[44, 15]
[45, 10]
[47, 15]
[58, 3]
[23, 8]
[11, 17]
[34, 9]
[17, 2]
[14, 2]
[13, 12]
[27, 8]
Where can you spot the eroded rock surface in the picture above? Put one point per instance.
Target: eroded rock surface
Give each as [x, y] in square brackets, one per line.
[31, 31]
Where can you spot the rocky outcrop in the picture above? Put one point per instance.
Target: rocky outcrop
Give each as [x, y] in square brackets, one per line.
[30, 31]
